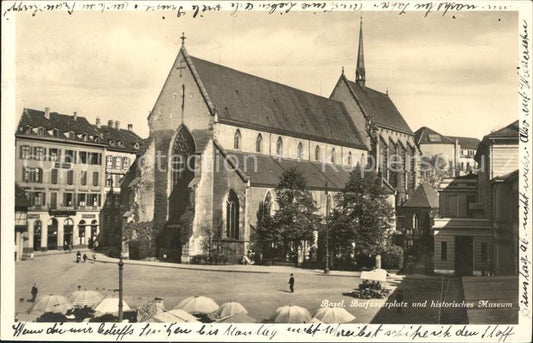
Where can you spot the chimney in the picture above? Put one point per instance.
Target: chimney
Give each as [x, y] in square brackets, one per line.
[75, 115]
[97, 121]
[47, 112]
[130, 127]
[117, 124]
[110, 123]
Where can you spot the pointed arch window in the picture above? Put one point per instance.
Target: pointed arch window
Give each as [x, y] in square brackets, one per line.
[332, 155]
[237, 140]
[279, 146]
[232, 216]
[182, 149]
[317, 153]
[300, 152]
[259, 143]
[267, 204]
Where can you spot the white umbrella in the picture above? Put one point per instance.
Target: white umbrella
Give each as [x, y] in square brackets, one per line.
[230, 309]
[85, 298]
[332, 315]
[110, 305]
[291, 314]
[197, 304]
[175, 316]
[237, 318]
[52, 303]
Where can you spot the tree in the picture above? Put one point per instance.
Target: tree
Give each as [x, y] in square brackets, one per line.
[435, 168]
[361, 221]
[296, 218]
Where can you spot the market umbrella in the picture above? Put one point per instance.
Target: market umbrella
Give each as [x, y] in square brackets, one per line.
[174, 316]
[291, 314]
[332, 315]
[229, 309]
[237, 318]
[197, 304]
[52, 303]
[149, 309]
[85, 298]
[110, 305]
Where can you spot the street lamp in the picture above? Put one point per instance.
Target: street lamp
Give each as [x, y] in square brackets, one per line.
[326, 267]
[120, 305]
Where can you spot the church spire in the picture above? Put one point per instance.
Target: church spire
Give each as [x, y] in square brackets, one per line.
[360, 70]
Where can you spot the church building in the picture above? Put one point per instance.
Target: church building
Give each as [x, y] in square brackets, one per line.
[385, 132]
[219, 141]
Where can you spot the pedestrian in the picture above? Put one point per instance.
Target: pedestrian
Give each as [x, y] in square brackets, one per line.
[78, 257]
[399, 299]
[94, 257]
[70, 247]
[65, 247]
[291, 283]
[85, 258]
[34, 292]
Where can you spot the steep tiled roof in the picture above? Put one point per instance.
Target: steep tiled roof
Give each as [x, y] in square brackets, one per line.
[248, 100]
[62, 122]
[266, 170]
[510, 130]
[20, 197]
[379, 106]
[425, 135]
[111, 136]
[424, 196]
[466, 142]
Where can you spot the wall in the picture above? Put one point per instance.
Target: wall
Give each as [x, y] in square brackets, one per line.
[441, 266]
[504, 160]
[225, 136]
[167, 114]
[223, 181]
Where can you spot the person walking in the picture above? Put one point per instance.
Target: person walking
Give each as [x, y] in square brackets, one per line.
[34, 292]
[85, 258]
[78, 257]
[291, 283]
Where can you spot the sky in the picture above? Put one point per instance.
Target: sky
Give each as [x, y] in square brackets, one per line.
[456, 75]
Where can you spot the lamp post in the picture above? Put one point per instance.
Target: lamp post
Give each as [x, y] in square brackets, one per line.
[120, 305]
[326, 267]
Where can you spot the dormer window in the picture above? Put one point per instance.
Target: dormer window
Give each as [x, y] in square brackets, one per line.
[55, 132]
[111, 142]
[26, 129]
[71, 135]
[41, 131]
[136, 146]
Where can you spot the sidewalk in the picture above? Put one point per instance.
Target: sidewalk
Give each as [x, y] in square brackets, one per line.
[496, 290]
[231, 268]
[37, 254]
